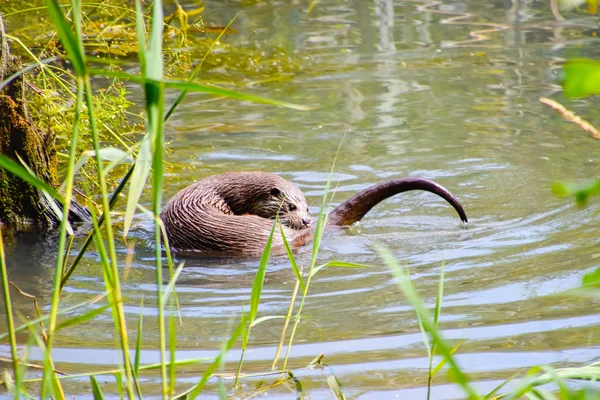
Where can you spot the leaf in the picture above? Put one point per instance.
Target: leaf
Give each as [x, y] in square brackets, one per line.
[581, 191]
[199, 87]
[96, 392]
[197, 389]
[82, 318]
[443, 362]
[316, 362]
[138, 341]
[27, 68]
[108, 154]
[336, 263]
[50, 201]
[154, 62]
[259, 278]
[141, 33]
[138, 181]
[426, 319]
[67, 37]
[267, 318]
[119, 381]
[501, 385]
[440, 296]
[335, 387]
[171, 285]
[292, 259]
[16, 169]
[582, 77]
[57, 211]
[592, 278]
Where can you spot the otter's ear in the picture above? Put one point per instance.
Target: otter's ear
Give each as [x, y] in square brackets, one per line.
[275, 192]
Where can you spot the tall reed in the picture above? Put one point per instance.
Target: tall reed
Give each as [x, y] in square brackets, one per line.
[149, 160]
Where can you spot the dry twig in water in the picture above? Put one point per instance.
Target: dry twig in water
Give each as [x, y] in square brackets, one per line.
[570, 116]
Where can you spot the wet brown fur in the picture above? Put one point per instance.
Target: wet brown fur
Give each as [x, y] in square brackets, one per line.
[233, 213]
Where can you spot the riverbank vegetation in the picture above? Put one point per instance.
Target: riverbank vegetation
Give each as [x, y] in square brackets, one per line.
[93, 109]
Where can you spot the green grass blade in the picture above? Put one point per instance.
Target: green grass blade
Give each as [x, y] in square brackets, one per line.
[440, 296]
[10, 322]
[423, 315]
[171, 286]
[64, 227]
[111, 264]
[541, 394]
[18, 170]
[107, 154]
[138, 341]
[43, 319]
[266, 318]
[143, 164]
[154, 65]
[199, 87]
[151, 155]
[579, 373]
[119, 381]
[140, 29]
[67, 37]
[244, 335]
[151, 76]
[288, 317]
[79, 319]
[564, 391]
[336, 263]
[172, 349]
[259, 278]
[135, 369]
[501, 385]
[90, 238]
[59, 214]
[25, 69]
[57, 211]
[292, 259]
[257, 286]
[47, 384]
[321, 223]
[431, 349]
[443, 362]
[165, 239]
[197, 389]
[96, 392]
[218, 91]
[335, 387]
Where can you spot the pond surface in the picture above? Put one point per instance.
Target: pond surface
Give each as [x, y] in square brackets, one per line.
[407, 90]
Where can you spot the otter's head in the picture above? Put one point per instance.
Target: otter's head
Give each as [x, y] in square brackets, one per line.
[287, 201]
[293, 208]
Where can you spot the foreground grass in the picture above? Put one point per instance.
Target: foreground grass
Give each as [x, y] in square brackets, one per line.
[534, 383]
[149, 163]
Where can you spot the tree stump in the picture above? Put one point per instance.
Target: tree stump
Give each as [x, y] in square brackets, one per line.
[22, 206]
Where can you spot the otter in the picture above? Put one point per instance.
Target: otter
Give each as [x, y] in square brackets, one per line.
[232, 213]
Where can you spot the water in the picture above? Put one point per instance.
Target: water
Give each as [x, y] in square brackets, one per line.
[407, 95]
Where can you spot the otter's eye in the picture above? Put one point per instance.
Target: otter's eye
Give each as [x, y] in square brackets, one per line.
[292, 207]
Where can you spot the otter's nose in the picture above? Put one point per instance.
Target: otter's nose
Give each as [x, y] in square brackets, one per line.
[306, 222]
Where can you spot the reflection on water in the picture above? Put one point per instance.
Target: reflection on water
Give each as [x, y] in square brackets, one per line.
[411, 94]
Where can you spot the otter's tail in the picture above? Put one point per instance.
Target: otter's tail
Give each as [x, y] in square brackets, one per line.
[356, 207]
